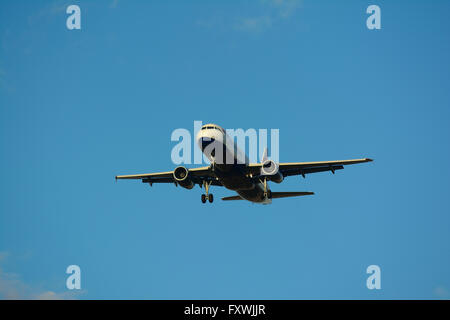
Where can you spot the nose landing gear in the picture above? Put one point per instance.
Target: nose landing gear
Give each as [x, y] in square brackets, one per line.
[208, 196]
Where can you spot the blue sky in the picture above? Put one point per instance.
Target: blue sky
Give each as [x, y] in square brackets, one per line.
[79, 107]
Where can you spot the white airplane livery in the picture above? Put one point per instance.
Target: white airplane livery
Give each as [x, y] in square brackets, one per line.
[230, 168]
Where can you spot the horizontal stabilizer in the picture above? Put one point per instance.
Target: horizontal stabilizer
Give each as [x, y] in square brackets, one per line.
[290, 194]
[232, 198]
[276, 195]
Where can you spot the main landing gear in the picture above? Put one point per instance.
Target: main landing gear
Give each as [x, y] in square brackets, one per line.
[208, 196]
[267, 191]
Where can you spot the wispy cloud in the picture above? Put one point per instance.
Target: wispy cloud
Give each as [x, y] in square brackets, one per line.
[284, 8]
[12, 287]
[114, 4]
[253, 24]
[276, 10]
[441, 292]
[51, 9]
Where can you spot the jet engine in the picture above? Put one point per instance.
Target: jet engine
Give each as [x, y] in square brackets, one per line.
[270, 169]
[181, 176]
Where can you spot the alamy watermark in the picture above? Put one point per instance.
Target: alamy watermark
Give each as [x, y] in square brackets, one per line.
[374, 280]
[74, 280]
[74, 20]
[374, 20]
[223, 145]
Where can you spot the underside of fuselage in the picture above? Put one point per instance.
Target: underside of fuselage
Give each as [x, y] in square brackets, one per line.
[233, 177]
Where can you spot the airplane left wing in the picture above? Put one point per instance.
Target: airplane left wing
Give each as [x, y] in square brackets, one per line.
[197, 175]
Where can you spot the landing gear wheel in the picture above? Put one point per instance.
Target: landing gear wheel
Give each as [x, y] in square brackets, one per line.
[208, 196]
[269, 194]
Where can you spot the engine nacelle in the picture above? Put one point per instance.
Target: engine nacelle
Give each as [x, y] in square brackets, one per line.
[270, 169]
[181, 176]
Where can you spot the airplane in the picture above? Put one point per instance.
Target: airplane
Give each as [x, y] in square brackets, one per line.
[248, 180]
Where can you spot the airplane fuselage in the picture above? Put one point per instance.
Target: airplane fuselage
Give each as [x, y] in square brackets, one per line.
[229, 163]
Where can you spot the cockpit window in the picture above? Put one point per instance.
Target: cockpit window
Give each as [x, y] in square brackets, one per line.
[212, 127]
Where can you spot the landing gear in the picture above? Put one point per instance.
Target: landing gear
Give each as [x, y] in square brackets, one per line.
[208, 196]
[267, 192]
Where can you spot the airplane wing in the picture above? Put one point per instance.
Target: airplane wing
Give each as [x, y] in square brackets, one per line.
[197, 175]
[303, 168]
